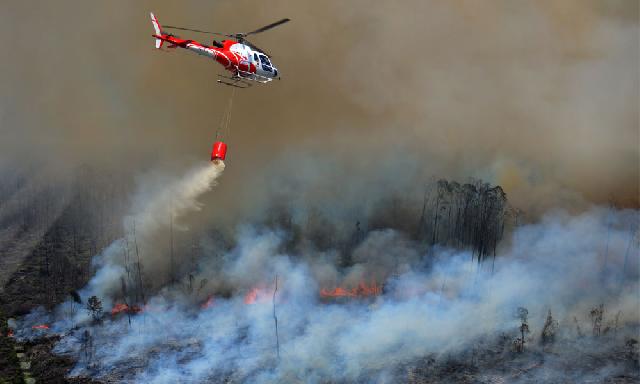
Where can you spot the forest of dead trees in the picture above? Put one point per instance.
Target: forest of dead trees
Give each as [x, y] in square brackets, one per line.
[470, 215]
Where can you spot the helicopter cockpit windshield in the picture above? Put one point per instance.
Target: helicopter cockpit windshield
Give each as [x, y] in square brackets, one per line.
[266, 64]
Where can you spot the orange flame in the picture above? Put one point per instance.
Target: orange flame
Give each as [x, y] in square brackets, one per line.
[257, 295]
[119, 307]
[40, 326]
[362, 290]
[124, 308]
[211, 301]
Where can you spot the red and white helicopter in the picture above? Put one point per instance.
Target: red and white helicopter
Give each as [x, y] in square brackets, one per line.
[244, 60]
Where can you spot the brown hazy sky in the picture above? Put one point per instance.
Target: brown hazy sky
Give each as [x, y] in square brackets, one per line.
[541, 97]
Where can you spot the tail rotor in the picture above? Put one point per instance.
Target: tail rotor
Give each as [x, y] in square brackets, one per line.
[158, 29]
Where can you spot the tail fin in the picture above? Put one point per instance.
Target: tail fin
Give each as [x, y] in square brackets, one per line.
[158, 30]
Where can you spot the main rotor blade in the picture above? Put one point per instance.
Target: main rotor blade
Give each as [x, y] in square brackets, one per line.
[255, 47]
[195, 30]
[266, 27]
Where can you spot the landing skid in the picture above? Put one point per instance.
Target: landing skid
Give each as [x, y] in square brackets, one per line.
[243, 79]
[234, 81]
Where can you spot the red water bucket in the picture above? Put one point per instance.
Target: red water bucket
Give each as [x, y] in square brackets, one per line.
[219, 151]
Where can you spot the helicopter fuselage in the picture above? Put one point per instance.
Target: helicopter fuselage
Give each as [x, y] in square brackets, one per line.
[234, 56]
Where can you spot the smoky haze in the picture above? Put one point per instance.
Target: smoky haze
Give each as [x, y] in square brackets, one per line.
[541, 98]
[325, 177]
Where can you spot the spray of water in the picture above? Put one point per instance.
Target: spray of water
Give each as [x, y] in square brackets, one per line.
[157, 206]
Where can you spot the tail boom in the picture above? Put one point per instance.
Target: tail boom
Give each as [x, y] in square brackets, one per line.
[229, 60]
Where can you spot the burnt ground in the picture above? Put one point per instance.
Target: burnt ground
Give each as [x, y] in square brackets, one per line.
[44, 255]
[609, 359]
[9, 366]
[48, 367]
[587, 360]
[31, 286]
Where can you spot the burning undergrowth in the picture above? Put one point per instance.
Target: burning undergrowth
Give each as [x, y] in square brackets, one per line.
[275, 303]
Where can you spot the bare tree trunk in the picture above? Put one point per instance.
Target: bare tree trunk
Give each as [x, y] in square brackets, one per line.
[127, 261]
[172, 266]
[435, 221]
[275, 319]
[606, 247]
[626, 255]
[124, 298]
[421, 222]
[135, 242]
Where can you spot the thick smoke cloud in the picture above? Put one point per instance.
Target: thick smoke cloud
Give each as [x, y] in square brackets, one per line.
[540, 98]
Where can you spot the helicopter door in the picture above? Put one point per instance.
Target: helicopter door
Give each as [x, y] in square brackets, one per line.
[247, 59]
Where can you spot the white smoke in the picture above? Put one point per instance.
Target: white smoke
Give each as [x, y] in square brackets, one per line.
[439, 303]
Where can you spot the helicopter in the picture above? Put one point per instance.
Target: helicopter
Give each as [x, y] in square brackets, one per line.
[247, 63]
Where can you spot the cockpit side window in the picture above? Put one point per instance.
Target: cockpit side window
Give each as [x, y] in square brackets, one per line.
[255, 57]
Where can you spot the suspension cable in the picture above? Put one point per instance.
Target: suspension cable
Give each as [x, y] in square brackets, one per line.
[224, 129]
